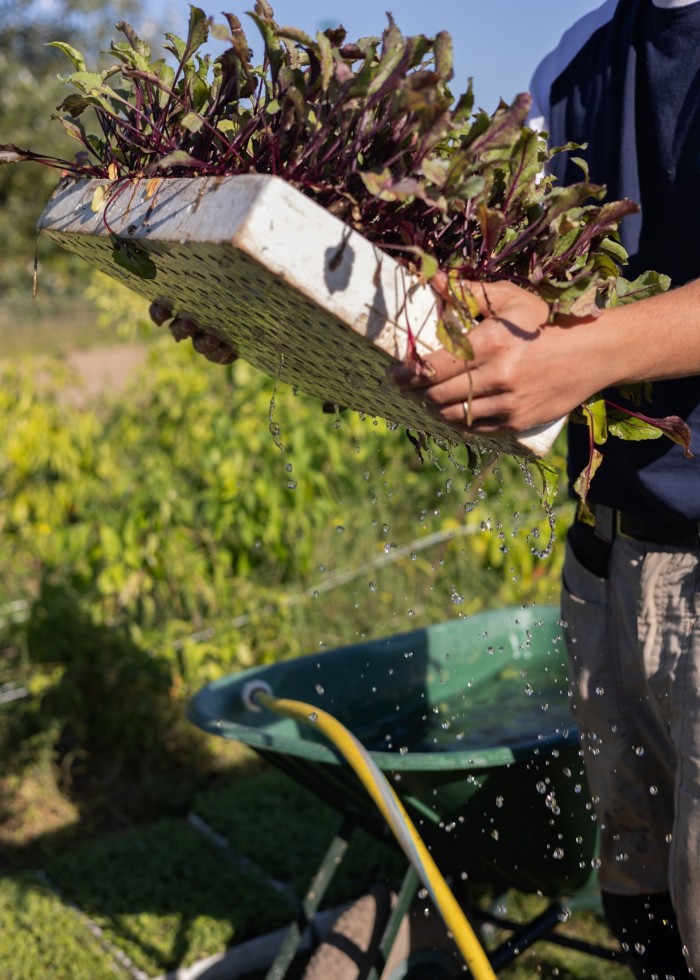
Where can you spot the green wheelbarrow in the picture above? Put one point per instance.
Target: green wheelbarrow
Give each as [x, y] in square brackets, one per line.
[468, 722]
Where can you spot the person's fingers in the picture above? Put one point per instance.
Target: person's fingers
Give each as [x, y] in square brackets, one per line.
[213, 348]
[492, 297]
[431, 370]
[475, 413]
[183, 327]
[160, 311]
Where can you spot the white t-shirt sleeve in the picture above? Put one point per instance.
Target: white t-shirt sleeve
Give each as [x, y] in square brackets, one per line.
[557, 60]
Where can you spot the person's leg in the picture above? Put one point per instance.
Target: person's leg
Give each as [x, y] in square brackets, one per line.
[645, 926]
[669, 629]
[619, 698]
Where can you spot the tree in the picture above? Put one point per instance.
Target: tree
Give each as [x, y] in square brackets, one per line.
[29, 93]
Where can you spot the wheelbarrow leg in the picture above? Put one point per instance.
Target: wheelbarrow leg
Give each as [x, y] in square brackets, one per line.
[526, 935]
[407, 893]
[311, 901]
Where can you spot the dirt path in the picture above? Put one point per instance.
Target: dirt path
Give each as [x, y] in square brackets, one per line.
[107, 369]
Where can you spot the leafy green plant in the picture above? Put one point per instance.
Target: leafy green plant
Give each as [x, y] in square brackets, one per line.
[371, 130]
[137, 592]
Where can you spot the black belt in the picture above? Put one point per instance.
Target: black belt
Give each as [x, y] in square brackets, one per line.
[591, 545]
[682, 534]
[609, 522]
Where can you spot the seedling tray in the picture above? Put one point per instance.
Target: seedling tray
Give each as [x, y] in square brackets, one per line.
[297, 292]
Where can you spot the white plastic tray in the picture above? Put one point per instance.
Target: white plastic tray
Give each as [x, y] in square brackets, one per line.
[296, 292]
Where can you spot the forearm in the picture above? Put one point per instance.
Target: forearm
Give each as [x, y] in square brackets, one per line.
[652, 340]
[526, 371]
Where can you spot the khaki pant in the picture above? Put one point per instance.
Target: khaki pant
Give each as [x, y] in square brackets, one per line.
[634, 646]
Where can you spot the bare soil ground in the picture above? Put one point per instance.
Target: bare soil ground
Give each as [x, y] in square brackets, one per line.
[107, 369]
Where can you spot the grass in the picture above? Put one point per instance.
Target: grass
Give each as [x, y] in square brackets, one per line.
[164, 896]
[42, 937]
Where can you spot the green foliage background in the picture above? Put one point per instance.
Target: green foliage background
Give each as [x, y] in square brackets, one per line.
[29, 94]
[164, 537]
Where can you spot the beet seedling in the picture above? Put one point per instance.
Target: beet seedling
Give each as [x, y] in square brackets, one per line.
[371, 130]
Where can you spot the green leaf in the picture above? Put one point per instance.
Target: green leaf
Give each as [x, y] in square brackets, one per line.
[197, 30]
[325, 53]
[582, 484]
[177, 46]
[435, 170]
[139, 46]
[525, 165]
[130, 56]
[133, 257]
[583, 164]
[612, 247]
[586, 304]
[178, 158]
[596, 417]
[648, 284]
[636, 427]
[98, 199]
[550, 483]
[454, 339]
[383, 186]
[297, 35]
[273, 48]
[444, 56]
[75, 56]
[193, 122]
[428, 265]
[394, 49]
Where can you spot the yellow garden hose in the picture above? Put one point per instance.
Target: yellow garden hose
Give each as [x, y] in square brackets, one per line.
[258, 694]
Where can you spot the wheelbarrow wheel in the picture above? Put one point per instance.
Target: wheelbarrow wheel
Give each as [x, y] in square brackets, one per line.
[422, 950]
[352, 945]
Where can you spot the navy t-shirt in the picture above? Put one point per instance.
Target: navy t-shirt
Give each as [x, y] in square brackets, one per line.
[625, 79]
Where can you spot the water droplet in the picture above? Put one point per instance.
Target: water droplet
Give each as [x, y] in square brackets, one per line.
[600, 690]
[653, 790]
[495, 834]
[339, 528]
[639, 750]
[528, 690]
[499, 801]
[319, 689]
[313, 717]
[373, 586]
[558, 853]
[292, 485]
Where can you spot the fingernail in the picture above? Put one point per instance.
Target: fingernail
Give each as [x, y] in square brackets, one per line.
[160, 311]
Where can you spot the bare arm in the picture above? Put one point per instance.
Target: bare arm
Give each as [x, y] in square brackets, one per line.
[526, 371]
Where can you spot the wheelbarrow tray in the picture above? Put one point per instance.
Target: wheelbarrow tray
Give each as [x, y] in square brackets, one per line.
[298, 293]
[468, 719]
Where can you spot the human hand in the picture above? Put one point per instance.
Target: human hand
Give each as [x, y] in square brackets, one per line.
[525, 371]
[208, 344]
